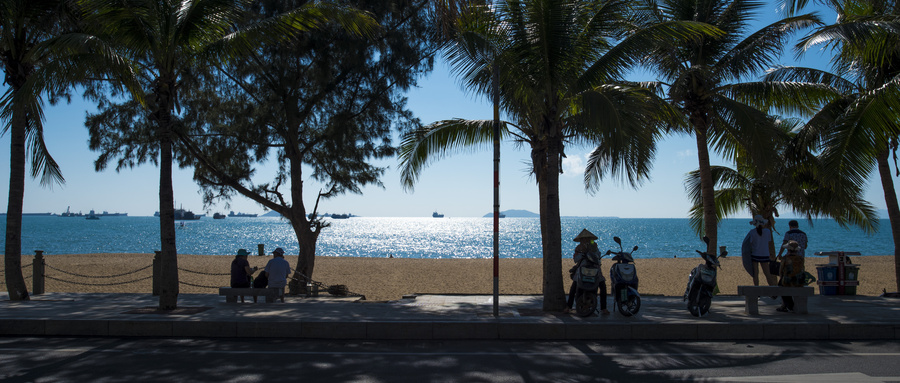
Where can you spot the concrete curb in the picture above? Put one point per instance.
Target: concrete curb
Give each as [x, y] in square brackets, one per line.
[444, 318]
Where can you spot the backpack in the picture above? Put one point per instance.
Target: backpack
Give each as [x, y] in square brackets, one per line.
[261, 281]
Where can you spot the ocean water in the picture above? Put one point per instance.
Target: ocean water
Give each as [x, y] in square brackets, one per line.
[416, 237]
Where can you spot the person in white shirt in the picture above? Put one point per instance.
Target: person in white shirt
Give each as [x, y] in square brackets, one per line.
[277, 270]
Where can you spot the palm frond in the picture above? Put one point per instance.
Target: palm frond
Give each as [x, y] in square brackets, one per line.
[730, 196]
[782, 97]
[430, 143]
[760, 50]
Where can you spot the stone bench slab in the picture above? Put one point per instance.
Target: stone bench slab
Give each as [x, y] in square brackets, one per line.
[232, 293]
[752, 293]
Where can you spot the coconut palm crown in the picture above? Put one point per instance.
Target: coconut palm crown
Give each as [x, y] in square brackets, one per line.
[858, 131]
[708, 80]
[559, 65]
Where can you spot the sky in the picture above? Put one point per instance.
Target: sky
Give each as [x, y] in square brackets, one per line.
[459, 185]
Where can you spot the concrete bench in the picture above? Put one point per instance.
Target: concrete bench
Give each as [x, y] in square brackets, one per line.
[231, 293]
[752, 293]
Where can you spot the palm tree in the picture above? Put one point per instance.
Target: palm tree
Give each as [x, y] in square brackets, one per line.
[707, 82]
[42, 55]
[797, 180]
[166, 38]
[19, 33]
[560, 83]
[859, 130]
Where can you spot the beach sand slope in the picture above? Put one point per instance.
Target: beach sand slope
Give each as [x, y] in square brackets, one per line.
[382, 279]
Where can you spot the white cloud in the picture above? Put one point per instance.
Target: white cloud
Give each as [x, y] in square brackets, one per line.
[687, 153]
[573, 165]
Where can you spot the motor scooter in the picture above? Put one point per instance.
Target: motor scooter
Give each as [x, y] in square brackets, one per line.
[702, 282]
[624, 281]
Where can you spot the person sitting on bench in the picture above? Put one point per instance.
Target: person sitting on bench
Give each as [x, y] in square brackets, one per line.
[277, 270]
[241, 270]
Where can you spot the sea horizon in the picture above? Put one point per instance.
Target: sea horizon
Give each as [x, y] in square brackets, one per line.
[419, 237]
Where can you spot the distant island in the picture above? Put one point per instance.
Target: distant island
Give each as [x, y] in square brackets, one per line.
[271, 213]
[514, 214]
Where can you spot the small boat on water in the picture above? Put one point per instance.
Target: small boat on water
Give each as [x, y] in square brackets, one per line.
[184, 215]
[341, 216]
[108, 214]
[91, 215]
[68, 213]
[218, 216]
[437, 215]
[232, 214]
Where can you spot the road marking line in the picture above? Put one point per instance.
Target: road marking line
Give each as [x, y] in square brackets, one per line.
[453, 353]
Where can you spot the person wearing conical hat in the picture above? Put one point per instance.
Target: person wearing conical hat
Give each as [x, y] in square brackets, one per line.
[586, 243]
[585, 235]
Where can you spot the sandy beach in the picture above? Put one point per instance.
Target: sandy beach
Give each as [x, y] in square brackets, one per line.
[381, 279]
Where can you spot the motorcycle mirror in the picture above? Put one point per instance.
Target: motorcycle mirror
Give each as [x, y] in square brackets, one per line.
[634, 249]
[618, 240]
[706, 239]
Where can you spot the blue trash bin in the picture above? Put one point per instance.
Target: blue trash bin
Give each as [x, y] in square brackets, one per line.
[827, 273]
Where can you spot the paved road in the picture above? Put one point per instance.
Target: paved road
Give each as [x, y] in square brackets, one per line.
[246, 360]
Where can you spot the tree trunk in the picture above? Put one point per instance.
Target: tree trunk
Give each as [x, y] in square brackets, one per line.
[169, 285]
[15, 282]
[306, 260]
[890, 201]
[707, 191]
[546, 166]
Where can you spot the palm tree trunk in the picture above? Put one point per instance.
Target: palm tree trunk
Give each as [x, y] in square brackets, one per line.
[15, 282]
[168, 293]
[707, 191]
[546, 163]
[890, 201]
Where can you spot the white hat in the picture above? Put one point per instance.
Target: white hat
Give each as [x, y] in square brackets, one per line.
[758, 220]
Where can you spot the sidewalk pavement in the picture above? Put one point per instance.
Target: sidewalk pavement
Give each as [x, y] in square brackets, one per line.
[441, 317]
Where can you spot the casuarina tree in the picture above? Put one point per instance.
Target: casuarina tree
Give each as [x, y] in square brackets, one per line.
[168, 40]
[320, 106]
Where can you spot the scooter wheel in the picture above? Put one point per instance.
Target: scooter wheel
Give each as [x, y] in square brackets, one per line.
[700, 305]
[586, 304]
[705, 303]
[630, 306]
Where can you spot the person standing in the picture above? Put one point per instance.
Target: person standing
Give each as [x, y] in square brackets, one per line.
[277, 270]
[756, 253]
[792, 273]
[795, 234]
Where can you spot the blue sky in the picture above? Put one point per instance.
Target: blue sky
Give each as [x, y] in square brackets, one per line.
[458, 186]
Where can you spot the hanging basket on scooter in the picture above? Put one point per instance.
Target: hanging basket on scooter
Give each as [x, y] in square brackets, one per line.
[588, 277]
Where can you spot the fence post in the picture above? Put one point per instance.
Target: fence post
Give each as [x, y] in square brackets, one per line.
[37, 268]
[262, 249]
[156, 272]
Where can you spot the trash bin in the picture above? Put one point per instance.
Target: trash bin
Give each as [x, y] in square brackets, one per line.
[851, 273]
[828, 273]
